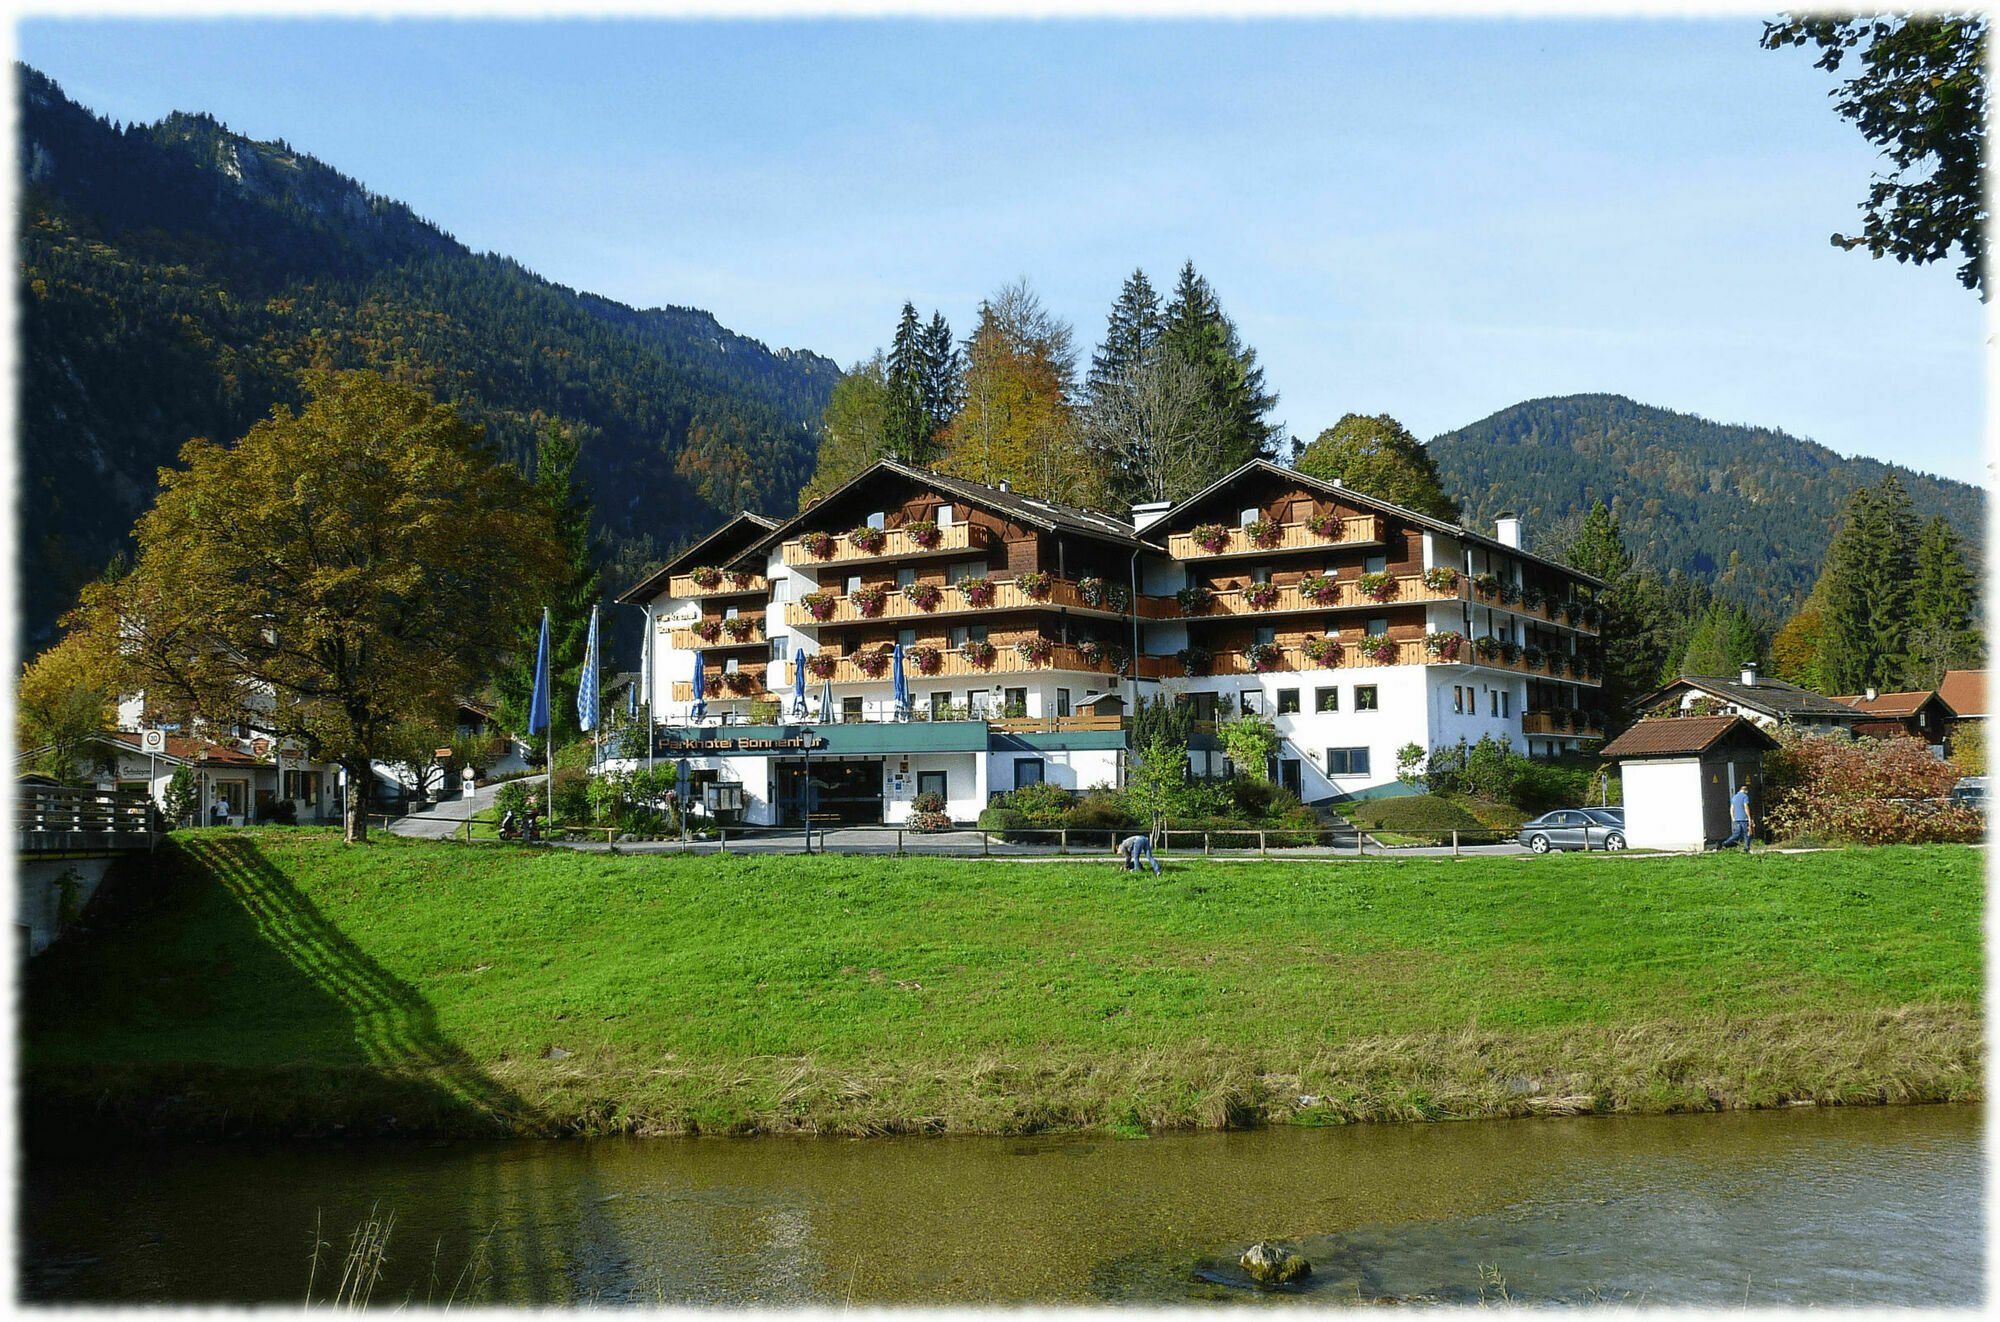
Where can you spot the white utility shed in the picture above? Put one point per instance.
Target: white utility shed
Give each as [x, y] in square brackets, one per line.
[1680, 773]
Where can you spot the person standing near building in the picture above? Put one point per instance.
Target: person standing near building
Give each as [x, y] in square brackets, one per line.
[1739, 818]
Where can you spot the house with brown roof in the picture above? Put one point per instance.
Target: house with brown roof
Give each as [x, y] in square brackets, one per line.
[1916, 714]
[1964, 691]
[1680, 773]
[1758, 698]
[248, 775]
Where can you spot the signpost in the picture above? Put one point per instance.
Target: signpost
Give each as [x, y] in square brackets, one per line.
[154, 742]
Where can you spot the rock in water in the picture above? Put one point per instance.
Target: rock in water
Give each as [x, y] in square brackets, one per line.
[1268, 1264]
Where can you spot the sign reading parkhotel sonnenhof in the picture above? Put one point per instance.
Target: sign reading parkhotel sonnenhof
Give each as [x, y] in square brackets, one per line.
[668, 743]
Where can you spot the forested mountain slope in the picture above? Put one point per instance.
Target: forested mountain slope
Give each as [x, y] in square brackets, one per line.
[177, 278]
[1749, 509]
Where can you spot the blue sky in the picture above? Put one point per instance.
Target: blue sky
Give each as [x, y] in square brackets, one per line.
[1430, 219]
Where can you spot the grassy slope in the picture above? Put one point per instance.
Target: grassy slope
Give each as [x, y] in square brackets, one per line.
[299, 984]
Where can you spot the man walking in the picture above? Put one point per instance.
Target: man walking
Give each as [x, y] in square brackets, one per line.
[1739, 818]
[1132, 848]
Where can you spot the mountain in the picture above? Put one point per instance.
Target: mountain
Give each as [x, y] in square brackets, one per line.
[176, 279]
[1749, 510]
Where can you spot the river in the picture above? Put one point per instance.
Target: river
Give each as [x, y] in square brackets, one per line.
[1803, 1206]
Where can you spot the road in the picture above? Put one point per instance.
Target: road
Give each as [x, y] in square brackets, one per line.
[449, 816]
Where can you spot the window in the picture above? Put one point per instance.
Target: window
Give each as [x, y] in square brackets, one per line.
[302, 785]
[729, 667]
[1027, 771]
[906, 578]
[850, 709]
[958, 635]
[1377, 627]
[977, 701]
[853, 584]
[1249, 702]
[1267, 633]
[963, 570]
[1506, 699]
[931, 782]
[877, 520]
[781, 590]
[1493, 702]
[1326, 699]
[976, 632]
[1346, 761]
[1193, 579]
[1458, 699]
[946, 516]
[1016, 703]
[1261, 574]
[1364, 697]
[941, 706]
[781, 649]
[907, 637]
[1288, 701]
[1375, 564]
[1249, 516]
[729, 612]
[1062, 702]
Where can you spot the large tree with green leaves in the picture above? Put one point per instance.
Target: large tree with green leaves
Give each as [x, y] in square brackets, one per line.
[855, 427]
[1194, 325]
[1723, 639]
[1920, 95]
[569, 594]
[342, 570]
[1868, 589]
[1379, 457]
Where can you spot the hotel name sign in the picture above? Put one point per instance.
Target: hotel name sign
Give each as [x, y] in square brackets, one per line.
[669, 743]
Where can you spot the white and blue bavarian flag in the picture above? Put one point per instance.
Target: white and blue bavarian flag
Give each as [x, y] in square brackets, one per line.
[586, 684]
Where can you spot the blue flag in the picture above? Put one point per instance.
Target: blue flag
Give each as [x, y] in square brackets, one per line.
[586, 685]
[538, 706]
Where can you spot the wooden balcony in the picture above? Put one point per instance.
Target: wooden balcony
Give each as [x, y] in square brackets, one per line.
[1055, 724]
[1409, 653]
[1406, 589]
[688, 640]
[1548, 612]
[952, 664]
[899, 545]
[730, 585]
[713, 690]
[1355, 530]
[1468, 656]
[1542, 722]
[1007, 596]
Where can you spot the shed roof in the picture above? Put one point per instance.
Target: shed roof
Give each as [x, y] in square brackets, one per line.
[1964, 691]
[1681, 736]
[1890, 704]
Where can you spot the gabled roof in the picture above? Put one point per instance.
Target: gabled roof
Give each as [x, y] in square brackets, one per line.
[182, 749]
[1366, 501]
[1047, 515]
[1685, 735]
[744, 524]
[1773, 697]
[1964, 691]
[1890, 704]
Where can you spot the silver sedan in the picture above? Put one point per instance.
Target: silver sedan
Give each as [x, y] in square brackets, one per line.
[1575, 828]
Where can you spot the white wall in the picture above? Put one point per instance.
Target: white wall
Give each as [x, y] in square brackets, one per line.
[1663, 808]
[965, 795]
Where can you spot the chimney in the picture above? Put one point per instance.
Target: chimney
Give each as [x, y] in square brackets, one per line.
[1749, 676]
[1872, 694]
[1149, 512]
[1337, 482]
[1005, 485]
[1507, 528]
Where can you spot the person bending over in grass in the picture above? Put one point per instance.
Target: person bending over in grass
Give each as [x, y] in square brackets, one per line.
[1132, 848]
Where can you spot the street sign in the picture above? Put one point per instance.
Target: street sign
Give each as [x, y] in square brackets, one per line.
[441, 754]
[153, 741]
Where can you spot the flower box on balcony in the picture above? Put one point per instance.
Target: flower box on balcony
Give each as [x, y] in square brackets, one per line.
[1321, 649]
[820, 665]
[1095, 653]
[1195, 660]
[708, 630]
[1486, 585]
[1328, 524]
[1440, 578]
[927, 660]
[737, 578]
[738, 627]
[1103, 594]
[1533, 656]
[1445, 645]
[1210, 537]
[868, 541]
[1378, 586]
[924, 596]
[705, 576]
[818, 545]
[1379, 648]
[1260, 596]
[1263, 533]
[978, 592]
[1591, 614]
[1510, 651]
[739, 682]
[923, 534]
[1263, 657]
[869, 600]
[1035, 651]
[819, 605]
[1320, 590]
[981, 654]
[1035, 585]
[873, 664]
[1486, 646]
[1194, 600]
[1532, 597]
[1509, 593]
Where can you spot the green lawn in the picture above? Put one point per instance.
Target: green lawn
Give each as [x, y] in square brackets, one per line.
[863, 994]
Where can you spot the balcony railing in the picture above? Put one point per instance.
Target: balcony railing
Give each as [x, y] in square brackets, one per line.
[715, 689]
[1007, 595]
[1549, 611]
[1354, 530]
[1412, 652]
[729, 585]
[952, 663]
[896, 545]
[689, 640]
[1557, 723]
[1055, 724]
[1405, 589]
[1468, 656]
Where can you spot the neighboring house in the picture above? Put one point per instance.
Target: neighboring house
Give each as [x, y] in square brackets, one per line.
[1031, 628]
[1919, 714]
[247, 774]
[1680, 773]
[1964, 692]
[1767, 702]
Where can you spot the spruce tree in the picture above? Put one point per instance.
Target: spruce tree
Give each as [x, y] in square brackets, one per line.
[944, 365]
[1868, 590]
[569, 597]
[1599, 548]
[909, 430]
[1942, 634]
[1130, 337]
[1194, 326]
[1723, 639]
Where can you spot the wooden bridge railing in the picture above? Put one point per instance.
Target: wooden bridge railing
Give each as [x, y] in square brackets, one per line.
[53, 810]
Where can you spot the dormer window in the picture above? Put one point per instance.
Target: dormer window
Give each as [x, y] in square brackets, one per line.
[877, 519]
[945, 516]
[1249, 516]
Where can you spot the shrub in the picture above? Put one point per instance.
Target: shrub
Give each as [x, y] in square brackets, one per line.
[1418, 814]
[282, 811]
[1101, 810]
[928, 801]
[1004, 820]
[1864, 791]
[1042, 804]
[929, 822]
[1251, 741]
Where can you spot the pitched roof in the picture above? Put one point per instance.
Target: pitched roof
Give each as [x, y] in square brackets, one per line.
[655, 583]
[182, 749]
[1889, 704]
[1048, 515]
[1964, 691]
[1773, 697]
[1682, 735]
[1362, 498]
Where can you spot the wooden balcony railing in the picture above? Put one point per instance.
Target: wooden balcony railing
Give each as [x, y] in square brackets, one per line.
[897, 545]
[729, 585]
[1468, 656]
[1548, 611]
[1557, 723]
[1007, 660]
[714, 688]
[1007, 596]
[689, 640]
[1407, 589]
[1055, 724]
[1355, 530]
[1349, 654]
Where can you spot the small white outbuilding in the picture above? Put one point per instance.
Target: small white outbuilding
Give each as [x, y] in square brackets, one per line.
[1680, 773]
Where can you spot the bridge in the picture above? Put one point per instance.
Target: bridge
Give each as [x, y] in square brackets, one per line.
[64, 840]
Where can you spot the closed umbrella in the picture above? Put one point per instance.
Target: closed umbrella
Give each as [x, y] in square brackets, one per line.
[799, 686]
[902, 682]
[826, 708]
[700, 708]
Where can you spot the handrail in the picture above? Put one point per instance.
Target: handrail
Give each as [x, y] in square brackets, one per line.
[1354, 530]
[54, 809]
[1008, 594]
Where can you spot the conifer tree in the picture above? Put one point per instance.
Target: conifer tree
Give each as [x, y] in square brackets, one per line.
[1867, 590]
[1722, 640]
[1942, 631]
[568, 596]
[1132, 336]
[1194, 326]
[909, 433]
[943, 366]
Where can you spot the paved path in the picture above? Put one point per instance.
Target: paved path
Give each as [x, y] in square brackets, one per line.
[449, 816]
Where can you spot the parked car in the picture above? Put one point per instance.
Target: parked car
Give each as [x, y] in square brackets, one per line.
[1971, 791]
[1575, 828]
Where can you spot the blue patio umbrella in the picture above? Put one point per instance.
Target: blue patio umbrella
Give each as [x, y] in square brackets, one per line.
[700, 708]
[902, 682]
[799, 686]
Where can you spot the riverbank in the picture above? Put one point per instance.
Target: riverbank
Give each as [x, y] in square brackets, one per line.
[273, 982]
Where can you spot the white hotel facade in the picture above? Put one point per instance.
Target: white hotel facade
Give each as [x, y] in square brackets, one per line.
[1030, 630]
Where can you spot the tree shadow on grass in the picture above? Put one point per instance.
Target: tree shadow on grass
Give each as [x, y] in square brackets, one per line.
[226, 1002]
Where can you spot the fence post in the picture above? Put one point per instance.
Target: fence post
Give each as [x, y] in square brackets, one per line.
[1454, 842]
[1204, 843]
[986, 844]
[1062, 840]
[899, 842]
[1261, 851]
[721, 839]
